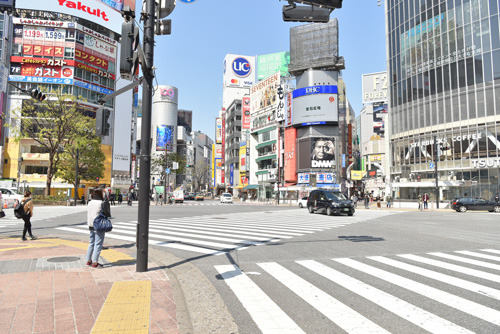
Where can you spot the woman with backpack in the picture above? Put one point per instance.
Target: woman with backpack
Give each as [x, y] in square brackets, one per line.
[27, 204]
[94, 207]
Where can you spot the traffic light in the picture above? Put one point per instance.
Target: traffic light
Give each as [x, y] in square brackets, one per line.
[37, 95]
[101, 122]
[330, 4]
[129, 58]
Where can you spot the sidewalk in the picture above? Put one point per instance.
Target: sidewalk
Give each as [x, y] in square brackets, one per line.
[46, 287]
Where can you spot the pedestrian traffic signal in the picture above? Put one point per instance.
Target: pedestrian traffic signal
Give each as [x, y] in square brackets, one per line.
[101, 122]
[129, 58]
[38, 95]
[293, 13]
[330, 4]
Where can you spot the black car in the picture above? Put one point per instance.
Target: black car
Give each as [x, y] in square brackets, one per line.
[462, 204]
[330, 202]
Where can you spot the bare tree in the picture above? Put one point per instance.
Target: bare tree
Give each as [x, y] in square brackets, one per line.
[200, 172]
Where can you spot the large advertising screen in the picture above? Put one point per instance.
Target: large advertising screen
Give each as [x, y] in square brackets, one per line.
[265, 93]
[290, 157]
[272, 63]
[315, 104]
[322, 152]
[164, 137]
[91, 10]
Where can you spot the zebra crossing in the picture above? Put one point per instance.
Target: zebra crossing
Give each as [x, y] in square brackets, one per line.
[218, 234]
[41, 213]
[410, 293]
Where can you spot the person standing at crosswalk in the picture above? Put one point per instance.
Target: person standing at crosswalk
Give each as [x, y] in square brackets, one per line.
[94, 207]
[28, 213]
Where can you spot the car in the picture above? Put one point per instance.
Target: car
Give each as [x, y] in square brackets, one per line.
[226, 198]
[9, 196]
[178, 196]
[199, 197]
[462, 204]
[189, 197]
[330, 202]
[303, 202]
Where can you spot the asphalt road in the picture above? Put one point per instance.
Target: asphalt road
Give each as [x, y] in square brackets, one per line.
[283, 270]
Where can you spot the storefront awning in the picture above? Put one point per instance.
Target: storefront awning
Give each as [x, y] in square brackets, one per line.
[251, 186]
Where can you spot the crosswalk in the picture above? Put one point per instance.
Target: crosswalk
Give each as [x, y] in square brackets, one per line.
[41, 213]
[454, 292]
[218, 234]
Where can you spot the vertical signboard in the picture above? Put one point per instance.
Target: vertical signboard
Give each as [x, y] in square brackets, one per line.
[289, 104]
[349, 142]
[223, 152]
[164, 137]
[245, 112]
[231, 175]
[290, 163]
[280, 107]
[243, 164]
[375, 87]
[218, 130]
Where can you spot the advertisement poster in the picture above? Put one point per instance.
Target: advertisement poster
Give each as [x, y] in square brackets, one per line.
[290, 158]
[265, 93]
[218, 130]
[280, 108]
[164, 137]
[289, 104]
[322, 153]
[245, 112]
[272, 63]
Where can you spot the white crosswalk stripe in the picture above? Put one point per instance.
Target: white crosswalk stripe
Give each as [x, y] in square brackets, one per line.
[406, 288]
[218, 234]
[41, 213]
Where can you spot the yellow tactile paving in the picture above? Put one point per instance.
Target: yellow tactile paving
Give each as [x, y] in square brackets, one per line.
[110, 255]
[126, 309]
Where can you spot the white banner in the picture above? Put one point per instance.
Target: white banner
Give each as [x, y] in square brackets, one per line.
[265, 93]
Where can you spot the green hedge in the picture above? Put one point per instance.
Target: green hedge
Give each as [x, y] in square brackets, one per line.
[49, 200]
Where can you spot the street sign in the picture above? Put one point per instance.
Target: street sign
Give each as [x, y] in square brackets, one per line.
[167, 170]
[431, 165]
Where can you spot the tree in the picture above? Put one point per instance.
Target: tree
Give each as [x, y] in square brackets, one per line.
[52, 123]
[158, 163]
[90, 158]
[200, 172]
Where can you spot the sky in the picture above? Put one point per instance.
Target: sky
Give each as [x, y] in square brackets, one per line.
[204, 31]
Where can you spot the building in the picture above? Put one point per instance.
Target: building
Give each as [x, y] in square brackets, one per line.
[444, 83]
[59, 47]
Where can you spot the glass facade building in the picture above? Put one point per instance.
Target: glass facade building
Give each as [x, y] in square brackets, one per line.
[444, 69]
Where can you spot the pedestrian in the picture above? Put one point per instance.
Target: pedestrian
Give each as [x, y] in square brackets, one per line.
[27, 204]
[425, 198]
[112, 199]
[496, 197]
[83, 199]
[355, 200]
[2, 214]
[120, 198]
[367, 201]
[389, 201]
[420, 207]
[95, 206]
[129, 199]
[378, 202]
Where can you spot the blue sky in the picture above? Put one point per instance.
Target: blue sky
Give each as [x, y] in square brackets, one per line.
[205, 31]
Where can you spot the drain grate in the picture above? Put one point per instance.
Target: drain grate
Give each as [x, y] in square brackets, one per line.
[64, 259]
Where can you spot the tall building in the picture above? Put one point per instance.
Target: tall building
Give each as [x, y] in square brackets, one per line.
[56, 46]
[444, 81]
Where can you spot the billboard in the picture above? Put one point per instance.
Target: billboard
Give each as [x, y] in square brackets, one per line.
[289, 110]
[164, 137]
[290, 165]
[218, 130]
[272, 63]
[92, 10]
[245, 112]
[375, 87]
[265, 93]
[238, 71]
[379, 110]
[243, 164]
[322, 152]
[315, 104]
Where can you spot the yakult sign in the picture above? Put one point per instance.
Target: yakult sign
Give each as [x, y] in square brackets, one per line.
[91, 10]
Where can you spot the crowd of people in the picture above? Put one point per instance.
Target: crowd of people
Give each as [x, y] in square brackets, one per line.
[368, 198]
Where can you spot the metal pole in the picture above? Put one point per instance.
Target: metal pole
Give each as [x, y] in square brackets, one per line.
[76, 176]
[19, 160]
[145, 154]
[166, 176]
[436, 158]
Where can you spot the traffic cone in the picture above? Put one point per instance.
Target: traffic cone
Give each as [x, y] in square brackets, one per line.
[5, 205]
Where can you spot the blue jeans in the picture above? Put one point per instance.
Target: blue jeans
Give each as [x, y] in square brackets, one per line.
[95, 246]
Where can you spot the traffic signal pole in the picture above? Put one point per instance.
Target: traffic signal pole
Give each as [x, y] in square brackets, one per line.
[436, 159]
[145, 153]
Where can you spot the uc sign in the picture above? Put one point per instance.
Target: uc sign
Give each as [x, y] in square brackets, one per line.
[241, 67]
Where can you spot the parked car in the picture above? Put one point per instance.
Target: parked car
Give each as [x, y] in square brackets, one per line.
[303, 202]
[226, 198]
[330, 202]
[199, 197]
[189, 197]
[10, 196]
[462, 204]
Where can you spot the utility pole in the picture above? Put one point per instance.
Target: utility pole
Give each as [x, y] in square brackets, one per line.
[436, 159]
[166, 175]
[76, 176]
[145, 153]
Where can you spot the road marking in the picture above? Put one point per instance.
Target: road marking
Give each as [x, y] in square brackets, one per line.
[267, 315]
[483, 256]
[126, 309]
[407, 311]
[342, 315]
[466, 260]
[453, 267]
[477, 288]
[461, 304]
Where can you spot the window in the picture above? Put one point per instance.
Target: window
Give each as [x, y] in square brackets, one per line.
[69, 52]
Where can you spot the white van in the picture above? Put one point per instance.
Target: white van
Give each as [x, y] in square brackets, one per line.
[178, 196]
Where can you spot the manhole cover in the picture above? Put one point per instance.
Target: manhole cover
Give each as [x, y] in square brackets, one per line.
[64, 259]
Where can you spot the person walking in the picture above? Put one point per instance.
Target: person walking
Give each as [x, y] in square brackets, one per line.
[378, 202]
[95, 206]
[367, 201]
[355, 200]
[27, 204]
[496, 197]
[120, 198]
[420, 207]
[112, 198]
[425, 198]
[389, 201]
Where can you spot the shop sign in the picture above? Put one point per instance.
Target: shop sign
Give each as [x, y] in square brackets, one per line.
[58, 81]
[376, 157]
[441, 141]
[486, 163]
[91, 59]
[357, 175]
